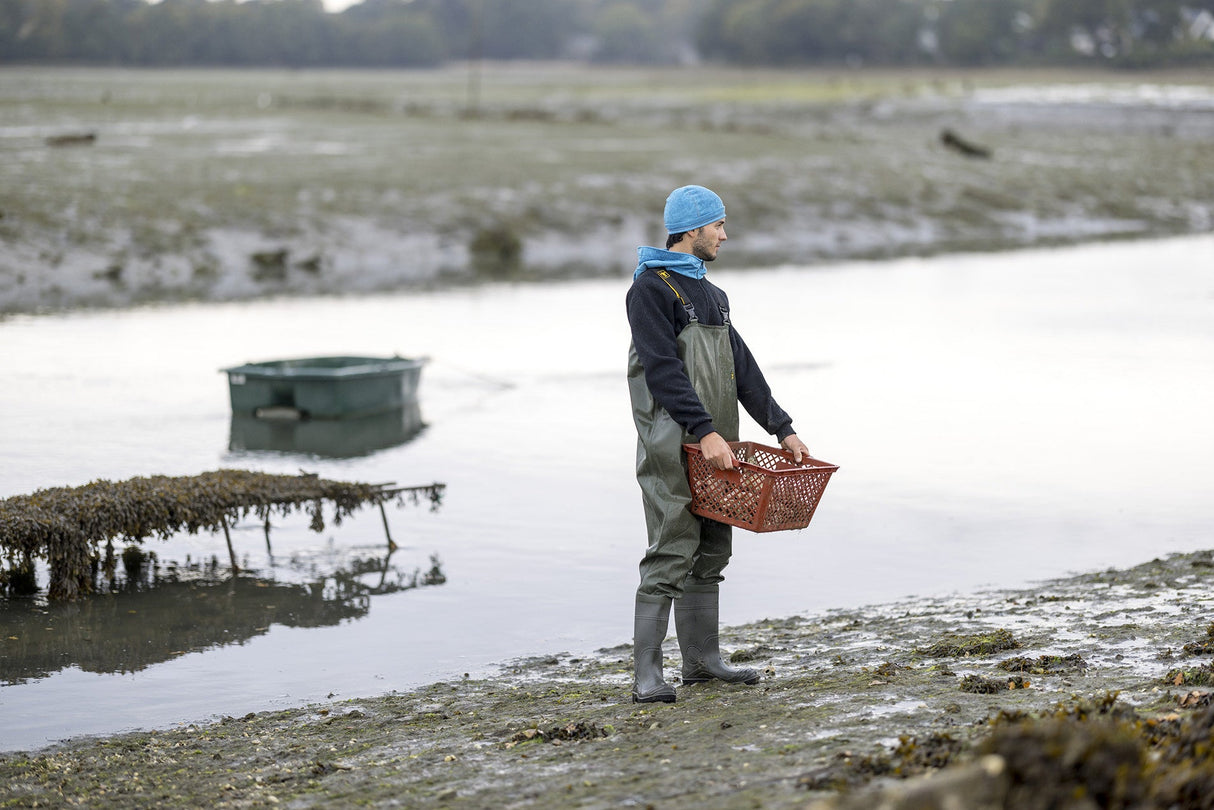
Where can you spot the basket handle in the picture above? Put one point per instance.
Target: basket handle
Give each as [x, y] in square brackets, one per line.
[733, 475]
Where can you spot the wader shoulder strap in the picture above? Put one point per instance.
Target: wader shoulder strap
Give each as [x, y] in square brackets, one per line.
[669, 278]
[724, 309]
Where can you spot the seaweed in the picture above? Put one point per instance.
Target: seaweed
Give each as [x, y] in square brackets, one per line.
[979, 685]
[65, 525]
[1106, 754]
[1204, 646]
[962, 646]
[576, 730]
[1202, 675]
[912, 756]
[1045, 664]
[1053, 761]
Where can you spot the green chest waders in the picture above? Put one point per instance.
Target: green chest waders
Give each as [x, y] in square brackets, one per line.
[682, 547]
[685, 553]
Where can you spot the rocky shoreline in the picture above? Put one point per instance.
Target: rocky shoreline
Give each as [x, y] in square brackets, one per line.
[1094, 687]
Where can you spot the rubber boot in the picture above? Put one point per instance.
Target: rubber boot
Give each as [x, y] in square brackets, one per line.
[649, 630]
[696, 621]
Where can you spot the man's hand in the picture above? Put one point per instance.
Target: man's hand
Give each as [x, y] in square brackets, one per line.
[716, 450]
[797, 447]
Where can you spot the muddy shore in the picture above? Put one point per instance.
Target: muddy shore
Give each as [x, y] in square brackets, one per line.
[231, 185]
[854, 703]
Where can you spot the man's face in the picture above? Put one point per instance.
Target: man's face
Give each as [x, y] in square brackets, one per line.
[706, 241]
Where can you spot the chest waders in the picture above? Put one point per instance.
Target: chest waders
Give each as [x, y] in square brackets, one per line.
[686, 554]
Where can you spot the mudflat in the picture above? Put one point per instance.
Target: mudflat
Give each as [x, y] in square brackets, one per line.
[1093, 685]
[203, 185]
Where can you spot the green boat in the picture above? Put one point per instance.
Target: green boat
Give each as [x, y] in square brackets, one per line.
[324, 387]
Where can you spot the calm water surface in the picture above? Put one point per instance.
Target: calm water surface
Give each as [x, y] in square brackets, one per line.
[998, 419]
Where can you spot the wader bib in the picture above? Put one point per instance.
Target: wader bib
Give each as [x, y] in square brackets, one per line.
[685, 551]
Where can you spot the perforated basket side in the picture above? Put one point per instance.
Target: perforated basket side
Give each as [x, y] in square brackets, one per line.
[737, 499]
[766, 492]
[794, 499]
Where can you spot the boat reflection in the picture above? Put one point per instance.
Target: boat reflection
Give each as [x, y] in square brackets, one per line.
[287, 431]
[145, 620]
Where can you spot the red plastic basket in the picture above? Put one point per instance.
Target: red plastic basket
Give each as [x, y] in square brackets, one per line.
[766, 492]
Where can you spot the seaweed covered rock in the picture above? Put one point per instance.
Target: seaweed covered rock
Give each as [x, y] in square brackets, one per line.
[1183, 772]
[1089, 754]
[1071, 765]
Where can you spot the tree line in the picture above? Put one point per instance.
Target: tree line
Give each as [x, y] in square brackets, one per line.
[1125, 33]
[428, 33]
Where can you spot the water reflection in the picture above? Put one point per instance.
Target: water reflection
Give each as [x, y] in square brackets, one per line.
[159, 615]
[970, 398]
[330, 438]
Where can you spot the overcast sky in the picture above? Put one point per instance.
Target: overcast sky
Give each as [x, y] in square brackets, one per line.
[330, 5]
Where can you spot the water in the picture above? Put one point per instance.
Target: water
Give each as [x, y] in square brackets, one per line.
[998, 419]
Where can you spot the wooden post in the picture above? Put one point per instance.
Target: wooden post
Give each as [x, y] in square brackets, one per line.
[384, 514]
[269, 550]
[231, 552]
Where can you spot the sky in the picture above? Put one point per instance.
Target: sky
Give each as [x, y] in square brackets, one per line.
[330, 5]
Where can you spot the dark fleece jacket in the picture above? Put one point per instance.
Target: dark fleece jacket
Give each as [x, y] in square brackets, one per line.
[656, 317]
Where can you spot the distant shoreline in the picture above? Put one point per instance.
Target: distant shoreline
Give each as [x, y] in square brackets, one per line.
[153, 187]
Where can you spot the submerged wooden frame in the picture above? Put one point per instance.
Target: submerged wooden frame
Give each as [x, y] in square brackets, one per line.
[66, 526]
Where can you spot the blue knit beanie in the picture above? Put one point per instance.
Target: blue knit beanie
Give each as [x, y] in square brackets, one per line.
[692, 207]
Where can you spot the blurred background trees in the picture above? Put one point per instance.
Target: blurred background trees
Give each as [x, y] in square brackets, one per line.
[427, 33]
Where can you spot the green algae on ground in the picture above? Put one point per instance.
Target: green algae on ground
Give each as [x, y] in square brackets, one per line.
[963, 646]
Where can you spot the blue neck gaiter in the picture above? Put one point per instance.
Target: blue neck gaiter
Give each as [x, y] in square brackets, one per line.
[684, 264]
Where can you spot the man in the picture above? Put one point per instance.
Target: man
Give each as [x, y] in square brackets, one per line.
[687, 371]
